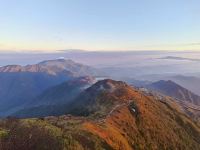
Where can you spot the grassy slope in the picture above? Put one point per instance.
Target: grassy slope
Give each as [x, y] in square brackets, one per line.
[153, 125]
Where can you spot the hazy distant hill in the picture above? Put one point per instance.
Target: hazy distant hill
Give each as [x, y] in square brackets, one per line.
[190, 82]
[179, 58]
[21, 83]
[112, 115]
[172, 89]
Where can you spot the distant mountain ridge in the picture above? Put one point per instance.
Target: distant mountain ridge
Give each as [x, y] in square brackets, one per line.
[19, 84]
[172, 89]
[53, 67]
[192, 83]
[179, 58]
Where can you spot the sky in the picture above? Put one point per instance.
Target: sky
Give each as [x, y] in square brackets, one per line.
[50, 25]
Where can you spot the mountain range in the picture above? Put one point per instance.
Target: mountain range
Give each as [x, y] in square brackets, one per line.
[61, 104]
[20, 84]
[53, 67]
[108, 115]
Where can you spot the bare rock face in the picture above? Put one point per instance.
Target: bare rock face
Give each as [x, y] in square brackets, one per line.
[11, 68]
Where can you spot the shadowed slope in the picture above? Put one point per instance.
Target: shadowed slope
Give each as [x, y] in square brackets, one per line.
[20, 84]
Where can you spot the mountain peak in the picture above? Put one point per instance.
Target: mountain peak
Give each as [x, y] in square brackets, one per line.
[108, 85]
[173, 89]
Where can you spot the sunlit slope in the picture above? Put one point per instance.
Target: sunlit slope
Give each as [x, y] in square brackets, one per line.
[111, 115]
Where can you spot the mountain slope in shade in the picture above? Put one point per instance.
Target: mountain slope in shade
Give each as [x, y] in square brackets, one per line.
[17, 88]
[63, 93]
[19, 84]
[54, 100]
[116, 117]
[66, 98]
[172, 89]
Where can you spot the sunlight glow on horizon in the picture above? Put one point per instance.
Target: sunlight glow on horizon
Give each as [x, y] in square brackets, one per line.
[54, 48]
[113, 25]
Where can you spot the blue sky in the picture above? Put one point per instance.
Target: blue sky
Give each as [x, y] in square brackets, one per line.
[99, 24]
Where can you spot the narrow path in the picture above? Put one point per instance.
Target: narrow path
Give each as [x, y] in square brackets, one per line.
[127, 103]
